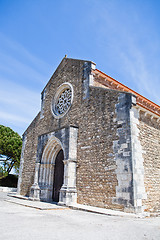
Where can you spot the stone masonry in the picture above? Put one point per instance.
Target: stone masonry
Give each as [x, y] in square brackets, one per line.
[149, 135]
[111, 148]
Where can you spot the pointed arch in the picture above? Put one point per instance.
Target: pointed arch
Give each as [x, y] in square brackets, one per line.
[52, 148]
[46, 170]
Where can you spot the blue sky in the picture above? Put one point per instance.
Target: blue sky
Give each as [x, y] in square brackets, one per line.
[121, 37]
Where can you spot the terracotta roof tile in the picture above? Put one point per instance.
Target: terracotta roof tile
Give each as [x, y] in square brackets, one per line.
[111, 83]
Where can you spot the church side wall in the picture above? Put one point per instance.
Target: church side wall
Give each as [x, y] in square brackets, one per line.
[149, 136]
[29, 157]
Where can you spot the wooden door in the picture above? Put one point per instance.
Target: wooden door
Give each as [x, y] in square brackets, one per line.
[58, 175]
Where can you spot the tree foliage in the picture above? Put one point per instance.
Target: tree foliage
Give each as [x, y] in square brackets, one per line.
[10, 150]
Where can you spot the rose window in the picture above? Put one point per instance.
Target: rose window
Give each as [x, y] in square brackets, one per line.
[62, 100]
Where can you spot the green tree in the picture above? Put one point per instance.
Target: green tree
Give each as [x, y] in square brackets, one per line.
[10, 150]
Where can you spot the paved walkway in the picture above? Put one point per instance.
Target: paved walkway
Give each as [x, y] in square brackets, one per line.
[35, 204]
[22, 220]
[25, 201]
[18, 199]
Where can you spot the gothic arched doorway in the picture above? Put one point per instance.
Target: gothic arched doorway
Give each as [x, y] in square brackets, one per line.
[58, 175]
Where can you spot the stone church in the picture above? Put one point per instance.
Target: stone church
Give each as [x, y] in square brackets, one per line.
[94, 142]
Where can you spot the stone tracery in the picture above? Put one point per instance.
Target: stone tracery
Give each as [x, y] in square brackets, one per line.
[64, 101]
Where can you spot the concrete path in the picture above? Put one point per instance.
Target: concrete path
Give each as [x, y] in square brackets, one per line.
[103, 211]
[18, 222]
[12, 198]
[18, 199]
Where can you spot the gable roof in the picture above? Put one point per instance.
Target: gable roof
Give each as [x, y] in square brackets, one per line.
[111, 83]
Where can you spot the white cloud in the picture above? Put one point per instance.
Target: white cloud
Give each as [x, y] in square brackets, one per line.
[145, 80]
[16, 49]
[127, 47]
[19, 98]
[18, 106]
[22, 78]
[16, 68]
[13, 118]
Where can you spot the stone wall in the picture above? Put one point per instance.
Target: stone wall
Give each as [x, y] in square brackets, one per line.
[68, 71]
[104, 174]
[28, 158]
[150, 140]
[96, 168]
[104, 148]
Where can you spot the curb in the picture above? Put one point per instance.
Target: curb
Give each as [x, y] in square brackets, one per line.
[107, 212]
[26, 201]
[8, 189]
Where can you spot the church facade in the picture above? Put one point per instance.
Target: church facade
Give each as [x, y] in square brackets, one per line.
[94, 142]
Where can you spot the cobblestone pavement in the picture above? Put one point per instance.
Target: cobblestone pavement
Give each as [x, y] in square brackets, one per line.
[19, 222]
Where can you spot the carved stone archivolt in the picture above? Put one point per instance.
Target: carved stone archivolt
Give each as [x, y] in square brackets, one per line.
[49, 146]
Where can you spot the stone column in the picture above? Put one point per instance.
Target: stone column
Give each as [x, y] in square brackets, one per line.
[35, 189]
[50, 181]
[40, 174]
[68, 192]
[137, 163]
